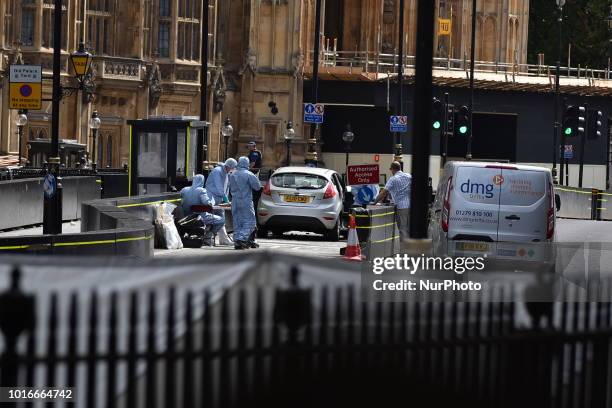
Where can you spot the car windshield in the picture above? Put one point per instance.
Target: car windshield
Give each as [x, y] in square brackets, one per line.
[299, 181]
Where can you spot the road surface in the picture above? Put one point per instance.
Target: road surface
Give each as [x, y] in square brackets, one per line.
[295, 243]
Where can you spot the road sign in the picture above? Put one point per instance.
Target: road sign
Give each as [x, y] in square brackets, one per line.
[25, 90]
[314, 113]
[398, 124]
[364, 174]
[365, 194]
[568, 152]
[49, 185]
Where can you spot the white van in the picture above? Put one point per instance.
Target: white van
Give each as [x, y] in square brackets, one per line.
[502, 210]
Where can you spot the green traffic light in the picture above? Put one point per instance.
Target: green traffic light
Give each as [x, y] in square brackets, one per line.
[463, 130]
[568, 131]
[436, 124]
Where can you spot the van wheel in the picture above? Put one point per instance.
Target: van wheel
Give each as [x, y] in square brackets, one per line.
[262, 232]
[333, 234]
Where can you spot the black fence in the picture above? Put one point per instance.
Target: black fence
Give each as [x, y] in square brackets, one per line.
[298, 347]
[33, 172]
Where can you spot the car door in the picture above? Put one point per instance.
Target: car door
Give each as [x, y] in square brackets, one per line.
[524, 205]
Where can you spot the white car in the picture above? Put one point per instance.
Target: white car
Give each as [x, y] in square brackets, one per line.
[504, 211]
[302, 199]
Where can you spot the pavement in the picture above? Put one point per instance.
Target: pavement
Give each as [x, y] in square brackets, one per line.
[583, 231]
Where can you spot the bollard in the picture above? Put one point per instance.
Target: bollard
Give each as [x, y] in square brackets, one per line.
[293, 311]
[595, 204]
[293, 307]
[16, 317]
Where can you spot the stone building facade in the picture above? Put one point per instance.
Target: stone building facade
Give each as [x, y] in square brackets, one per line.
[147, 60]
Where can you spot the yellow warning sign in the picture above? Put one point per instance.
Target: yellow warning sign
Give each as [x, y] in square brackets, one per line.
[444, 26]
[25, 91]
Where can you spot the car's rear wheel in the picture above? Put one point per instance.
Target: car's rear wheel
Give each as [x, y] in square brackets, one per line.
[334, 233]
[262, 232]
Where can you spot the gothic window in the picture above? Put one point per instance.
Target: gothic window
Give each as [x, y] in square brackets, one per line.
[28, 17]
[164, 8]
[47, 24]
[163, 28]
[100, 22]
[38, 132]
[147, 29]
[164, 39]
[189, 30]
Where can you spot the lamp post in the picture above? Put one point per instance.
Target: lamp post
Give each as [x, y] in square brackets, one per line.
[94, 125]
[609, 21]
[348, 136]
[21, 121]
[557, 126]
[227, 131]
[289, 136]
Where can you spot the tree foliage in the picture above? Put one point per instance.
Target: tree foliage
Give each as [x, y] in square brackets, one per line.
[584, 27]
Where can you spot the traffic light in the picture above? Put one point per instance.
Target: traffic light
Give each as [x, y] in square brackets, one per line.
[438, 114]
[450, 119]
[463, 121]
[574, 120]
[594, 125]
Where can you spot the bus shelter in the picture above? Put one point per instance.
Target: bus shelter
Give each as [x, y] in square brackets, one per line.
[164, 153]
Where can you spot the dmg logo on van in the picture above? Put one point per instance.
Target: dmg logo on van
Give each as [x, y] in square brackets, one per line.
[477, 190]
[498, 180]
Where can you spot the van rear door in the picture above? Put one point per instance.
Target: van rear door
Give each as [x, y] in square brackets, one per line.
[524, 205]
[474, 204]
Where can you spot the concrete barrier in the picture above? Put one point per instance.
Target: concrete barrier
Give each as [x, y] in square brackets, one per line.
[22, 200]
[577, 203]
[377, 231]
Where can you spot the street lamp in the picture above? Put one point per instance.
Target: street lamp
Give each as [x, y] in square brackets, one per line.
[289, 136]
[81, 62]
[94, 125]
[348, 136]
[227, 131]
[21, 121]
[609, 21]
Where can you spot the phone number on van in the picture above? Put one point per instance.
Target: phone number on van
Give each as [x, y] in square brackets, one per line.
[474, 213]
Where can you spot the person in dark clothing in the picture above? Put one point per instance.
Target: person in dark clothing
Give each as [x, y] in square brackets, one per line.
[254, 158]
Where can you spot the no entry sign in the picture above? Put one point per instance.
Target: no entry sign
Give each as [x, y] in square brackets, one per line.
[364, 174]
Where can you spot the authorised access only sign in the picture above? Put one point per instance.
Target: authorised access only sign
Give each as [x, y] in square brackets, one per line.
[25, 90]
[363, 174]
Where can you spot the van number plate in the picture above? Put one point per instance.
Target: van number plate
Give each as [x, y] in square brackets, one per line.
[473, 246]
[297, 199]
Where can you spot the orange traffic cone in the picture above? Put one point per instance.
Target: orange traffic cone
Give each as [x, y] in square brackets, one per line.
[353, 250]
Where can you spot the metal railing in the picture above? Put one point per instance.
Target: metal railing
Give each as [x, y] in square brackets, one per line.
[371, 62]
[293, 345]
[35, 172]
